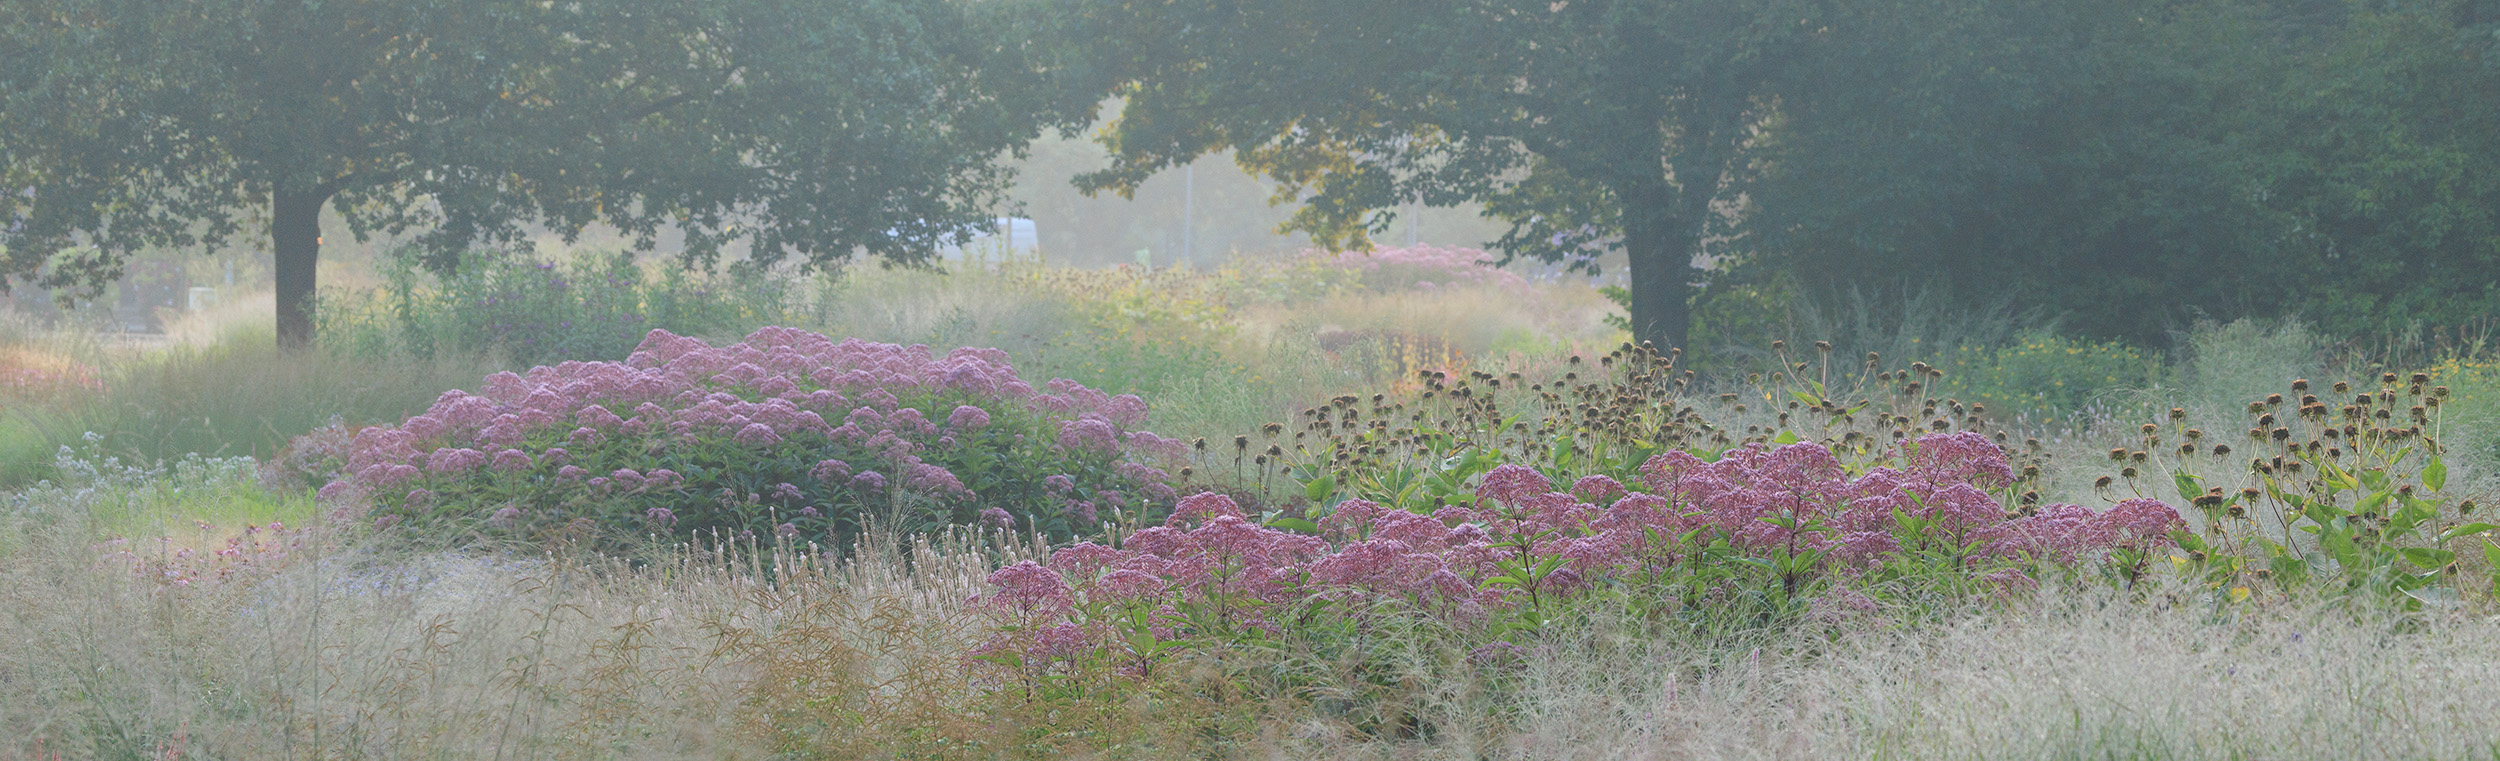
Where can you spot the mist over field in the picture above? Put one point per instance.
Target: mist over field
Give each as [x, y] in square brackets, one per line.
[1463, 379]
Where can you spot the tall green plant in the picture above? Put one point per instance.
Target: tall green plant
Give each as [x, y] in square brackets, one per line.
[590, 307]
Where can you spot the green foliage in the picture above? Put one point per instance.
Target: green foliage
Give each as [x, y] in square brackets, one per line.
[2043, 375]
[2133, 166]
[239, 397]
[812, 129]
[1589, 126]
[2340, 490]
[590, 307]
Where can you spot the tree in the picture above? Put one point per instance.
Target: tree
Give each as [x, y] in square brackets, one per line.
[809, 129]
[1587, 124]
[2132, 165]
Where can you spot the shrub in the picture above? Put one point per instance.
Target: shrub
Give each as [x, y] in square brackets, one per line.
[2043, 375]
[536, 312]
[787, 436]
[1773, 532]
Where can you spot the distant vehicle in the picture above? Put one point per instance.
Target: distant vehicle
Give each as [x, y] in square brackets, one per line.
[1006, 237]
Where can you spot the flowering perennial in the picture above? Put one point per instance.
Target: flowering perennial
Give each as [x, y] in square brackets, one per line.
[1521, 547]
[788, 434]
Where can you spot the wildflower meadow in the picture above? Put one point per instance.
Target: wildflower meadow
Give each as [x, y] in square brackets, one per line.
[1024, 511]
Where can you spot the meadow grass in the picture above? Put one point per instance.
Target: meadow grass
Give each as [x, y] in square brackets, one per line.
[320, 646]
[238, 396]
[147, 612]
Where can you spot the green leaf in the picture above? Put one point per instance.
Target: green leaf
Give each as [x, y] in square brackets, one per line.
[2428, 558]
[1296, 525]
[2189, 487]
[1785, 437]
[1319, 488]
[2469, 529]
[2435, 475]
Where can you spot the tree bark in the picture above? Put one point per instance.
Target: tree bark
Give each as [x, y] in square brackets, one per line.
[1661, 264]
[295, 243]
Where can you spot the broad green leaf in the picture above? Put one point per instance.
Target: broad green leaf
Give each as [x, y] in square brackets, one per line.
[1319, 488]
[2428, 558]
[2469, 529]
[2189, 487]
[2435, 475]
[1296, 525]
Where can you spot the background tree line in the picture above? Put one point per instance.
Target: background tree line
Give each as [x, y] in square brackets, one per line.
[2126, 165]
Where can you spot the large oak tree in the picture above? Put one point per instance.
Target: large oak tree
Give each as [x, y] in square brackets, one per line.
[804, 128]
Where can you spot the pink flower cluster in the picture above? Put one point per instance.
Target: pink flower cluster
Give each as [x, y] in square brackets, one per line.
[1761, 499]
[776, 386]
[1431, 266]
[39, 383]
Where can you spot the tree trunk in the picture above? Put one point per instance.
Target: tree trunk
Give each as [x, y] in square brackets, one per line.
[1661, 266]
[295, 242]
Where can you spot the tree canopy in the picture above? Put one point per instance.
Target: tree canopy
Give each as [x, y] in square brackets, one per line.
[1588, 125]
[804, 129]
[2128, 164]
[2133, 166]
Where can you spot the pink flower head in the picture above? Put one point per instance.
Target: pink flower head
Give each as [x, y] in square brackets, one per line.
[2139, 522]
[998, 517]
[830, 471]
[1090, 434]
[758, 434]
[511, 460]
[455, 459]
[1965, 457]
[968, 418]
[1083, 558]
[1598, 489]
[1029, 587]
[1202, 507]
[1512, 484]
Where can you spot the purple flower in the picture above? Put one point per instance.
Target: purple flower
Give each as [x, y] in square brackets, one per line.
[830, 471]
[758, 434]
[505, 516]
[787, 530]
[511, 460]
[968, 418]
[1030, 587]
[1513, 484]
[998, 517]
[869, 479]
[660, 515]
